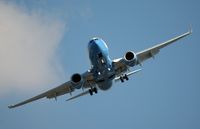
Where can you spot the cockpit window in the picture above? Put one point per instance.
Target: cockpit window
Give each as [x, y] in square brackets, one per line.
[91, 41]
[95, 38]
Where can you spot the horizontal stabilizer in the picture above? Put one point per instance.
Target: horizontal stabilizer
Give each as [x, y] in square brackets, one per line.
[79, 95]
[128, 74]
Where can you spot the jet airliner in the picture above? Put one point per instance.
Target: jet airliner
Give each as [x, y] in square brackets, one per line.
[103, 71]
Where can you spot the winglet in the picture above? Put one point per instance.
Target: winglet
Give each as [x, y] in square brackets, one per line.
[11, 106]
[190, 30]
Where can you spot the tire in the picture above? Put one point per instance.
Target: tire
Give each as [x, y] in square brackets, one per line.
[122, 80]
[91, 92]
[126, 77]
[95, 90]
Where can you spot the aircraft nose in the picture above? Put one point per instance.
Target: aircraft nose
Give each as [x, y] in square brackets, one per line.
[92, 44]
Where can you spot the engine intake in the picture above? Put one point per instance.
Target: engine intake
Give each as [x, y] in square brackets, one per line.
[130, 58]
[129, 55]
[77, 80]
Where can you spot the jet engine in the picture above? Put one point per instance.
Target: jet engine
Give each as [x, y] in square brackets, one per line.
[77, 80]
[130, 58]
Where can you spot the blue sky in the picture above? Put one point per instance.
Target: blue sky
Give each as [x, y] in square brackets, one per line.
[164, 95]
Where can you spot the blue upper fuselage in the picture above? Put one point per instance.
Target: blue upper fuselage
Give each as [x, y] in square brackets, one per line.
[101, 63]
[98, 50]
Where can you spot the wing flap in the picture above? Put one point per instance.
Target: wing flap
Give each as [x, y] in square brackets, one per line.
[53, 93]
[150, 52]
[60, 90]
[28, 101]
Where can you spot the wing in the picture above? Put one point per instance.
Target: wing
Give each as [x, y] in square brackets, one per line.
[121, 66]
[150, 52]
[67, 87]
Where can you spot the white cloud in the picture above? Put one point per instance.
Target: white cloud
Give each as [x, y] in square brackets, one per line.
[86, 13]
[28, 43]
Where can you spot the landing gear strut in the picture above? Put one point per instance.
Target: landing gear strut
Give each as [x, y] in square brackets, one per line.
[124, 77]
[94, 89]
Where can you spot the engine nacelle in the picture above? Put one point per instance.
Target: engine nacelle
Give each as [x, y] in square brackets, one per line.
[130, 58]
[77, 80]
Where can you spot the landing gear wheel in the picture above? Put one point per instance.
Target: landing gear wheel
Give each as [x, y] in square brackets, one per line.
[91, 92]
[122, 79]
[126, 77]
[95, 90]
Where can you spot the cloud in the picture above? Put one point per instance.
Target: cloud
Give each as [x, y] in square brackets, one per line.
[28, 44]
[86, 13]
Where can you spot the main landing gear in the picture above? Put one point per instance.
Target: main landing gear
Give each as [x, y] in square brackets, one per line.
[124, 77]
[93, 90]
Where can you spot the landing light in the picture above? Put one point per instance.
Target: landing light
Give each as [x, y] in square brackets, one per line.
[99, 73]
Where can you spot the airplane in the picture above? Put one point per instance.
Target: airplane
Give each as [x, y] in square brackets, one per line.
[103, 71]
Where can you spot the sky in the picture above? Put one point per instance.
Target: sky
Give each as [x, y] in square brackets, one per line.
[44, 42]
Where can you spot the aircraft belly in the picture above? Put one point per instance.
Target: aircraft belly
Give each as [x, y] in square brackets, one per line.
[105, 85]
